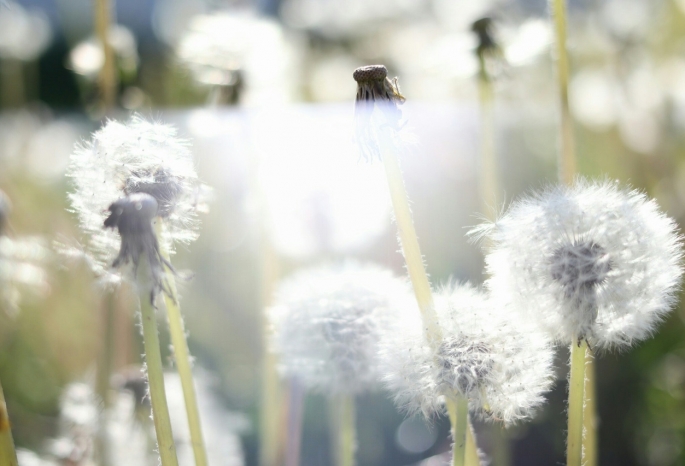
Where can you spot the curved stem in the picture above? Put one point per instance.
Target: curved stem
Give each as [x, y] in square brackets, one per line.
[409, 241]
[155, 376]
[183, 364]
[574, 453]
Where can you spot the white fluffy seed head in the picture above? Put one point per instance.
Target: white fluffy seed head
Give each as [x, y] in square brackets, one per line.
[501, 363]
[326, 324]
[138, 156]
[592, 261]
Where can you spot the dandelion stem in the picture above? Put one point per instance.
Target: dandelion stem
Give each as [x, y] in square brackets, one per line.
[489, 193]
[472, 458]
[409, 241]
[567, 158]
[590, 414]
[183, 364]
[344, 429]
[410, 248]
[458, 410]
[294, 423]
[107, 78]
[155, 377]
[575, 404]
[104, 373]
[8, 455]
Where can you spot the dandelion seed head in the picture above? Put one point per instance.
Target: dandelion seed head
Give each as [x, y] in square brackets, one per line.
[326, 324]
[591, 261]
[501, 363]
[136, 157]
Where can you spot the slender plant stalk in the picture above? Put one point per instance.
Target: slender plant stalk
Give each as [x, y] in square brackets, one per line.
[12, 86]
[567, 171]
[409, 241]
[472, 458]
[574, 454]
[107, 78]
[183, 364]
[104, 374]
[8, 455]
[458, 411]
[271, 443]
[590, 414]
[567, 159]
[489, 192]
[294, 422]
[412, 251]
[155, 377]
[343, 429]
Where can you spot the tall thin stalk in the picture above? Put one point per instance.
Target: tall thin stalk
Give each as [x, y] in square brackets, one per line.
[590, 412]
[458, 412]
[8, 455]
[567, 172]
[567, 158]
[155, 377]
[183, 364]
[343, 429]
[576, 389]
[489, 186]
[414, 260]
[104, 373]
[108, 77]
[296, 395]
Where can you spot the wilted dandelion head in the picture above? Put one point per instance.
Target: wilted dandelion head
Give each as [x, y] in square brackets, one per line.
[500, 362]
[326, 324]
[592, 261]
[375, 90]
[132, 158]
[488, 51]
[483, 28]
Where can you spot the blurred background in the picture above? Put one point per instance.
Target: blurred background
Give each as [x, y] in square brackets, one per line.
[263, 90]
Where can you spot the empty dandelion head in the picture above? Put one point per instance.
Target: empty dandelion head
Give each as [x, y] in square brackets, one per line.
[592, 261]
[488, 51]
[132, 217]
[326, 324]
[127, 159]
[500, 362]
[483, 28]
[375, 90]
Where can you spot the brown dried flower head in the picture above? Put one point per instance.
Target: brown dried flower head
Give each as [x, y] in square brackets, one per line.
[375, 90]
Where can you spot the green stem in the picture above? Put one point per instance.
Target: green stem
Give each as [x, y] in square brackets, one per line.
[458, 410]
[155, 376]
[104, 373]
[343, 429]
[472, 458]
[567, 158]
[590, 414]
[409, 241]
[576, 390]
[108, 77]
[489, 193]
[183, 364]
[8, 455]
